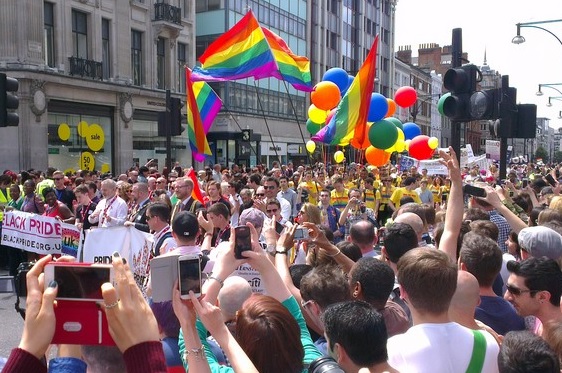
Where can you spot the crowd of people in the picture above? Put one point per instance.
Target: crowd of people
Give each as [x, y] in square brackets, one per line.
[372, 269]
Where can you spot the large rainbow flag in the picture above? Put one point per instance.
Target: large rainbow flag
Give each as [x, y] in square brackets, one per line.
[350, 121]
[294, 69]
[241, 52]
[203, 105]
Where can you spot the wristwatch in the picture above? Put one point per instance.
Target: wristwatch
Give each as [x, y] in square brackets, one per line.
[270, 249]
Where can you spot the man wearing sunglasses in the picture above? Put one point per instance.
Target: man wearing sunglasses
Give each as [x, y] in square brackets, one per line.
[534, 288]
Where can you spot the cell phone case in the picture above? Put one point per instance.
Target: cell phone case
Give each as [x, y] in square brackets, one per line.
[163, 275]
[81, 323]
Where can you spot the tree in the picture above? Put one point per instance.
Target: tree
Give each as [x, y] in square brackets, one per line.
[541, 153]
[557, 158]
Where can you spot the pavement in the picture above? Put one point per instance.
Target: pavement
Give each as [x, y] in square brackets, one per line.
[12, 323]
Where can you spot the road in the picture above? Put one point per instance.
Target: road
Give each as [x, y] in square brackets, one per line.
[11, 324]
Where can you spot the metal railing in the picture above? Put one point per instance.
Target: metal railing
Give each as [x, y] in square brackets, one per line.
[86, 68]
[167, 12]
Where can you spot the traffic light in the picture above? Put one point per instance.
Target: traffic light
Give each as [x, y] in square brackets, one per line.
[461, 82]
[162, 123]
[8, 101]
[526, 123]
[175, 117]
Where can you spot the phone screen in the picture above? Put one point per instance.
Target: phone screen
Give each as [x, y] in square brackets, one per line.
[279, 227]
[80, 282]
[243, 241]
[190, 276]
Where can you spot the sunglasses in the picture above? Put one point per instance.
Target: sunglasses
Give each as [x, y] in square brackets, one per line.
[148, 217]
[272, 210]
[260, 194]
[517, 292]
[57, 178]
[270, 187]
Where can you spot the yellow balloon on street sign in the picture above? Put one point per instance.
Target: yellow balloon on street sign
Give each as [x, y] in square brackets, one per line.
[104, 168]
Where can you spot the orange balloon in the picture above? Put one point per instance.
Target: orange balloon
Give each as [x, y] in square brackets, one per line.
[361, 144]
[325, 96]
[391, 107]
[376, 157]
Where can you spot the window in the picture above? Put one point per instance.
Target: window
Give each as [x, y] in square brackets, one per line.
[161, 63]
[49, 34]
[187, 4]
[182, 61]
[105, 48]
[80, 34]
[136, 57]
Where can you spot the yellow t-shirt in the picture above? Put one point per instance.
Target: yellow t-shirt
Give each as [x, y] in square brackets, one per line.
[369, 198]
[436, 190]
[403, 192]
[339, 200]
[383, 195]
[313, 188]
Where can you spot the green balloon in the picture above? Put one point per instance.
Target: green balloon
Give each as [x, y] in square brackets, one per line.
[441, 102]
[396, 122]
[312, 127]
[383, 134]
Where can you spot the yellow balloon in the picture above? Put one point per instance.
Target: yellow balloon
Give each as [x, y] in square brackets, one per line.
[407, 144]
[95, 138]
[83, 129]
[338, 156]
[433, 142]
[104, 168]
[87, 161]
[400, 135]
[64, 131]
[310, 146]
[400, 146]
[317, 115]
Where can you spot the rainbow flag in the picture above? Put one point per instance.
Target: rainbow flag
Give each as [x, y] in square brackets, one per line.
[203, 105]
[350, 121]
[241, 52]
[294, 69]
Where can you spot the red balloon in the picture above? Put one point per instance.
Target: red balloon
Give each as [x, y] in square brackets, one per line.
[405, 96]
[325, 96]
[419, 148]
[376, 157]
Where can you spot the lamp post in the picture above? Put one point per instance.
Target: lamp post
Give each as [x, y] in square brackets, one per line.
[518, 39]
[548, 85]
[549, 104]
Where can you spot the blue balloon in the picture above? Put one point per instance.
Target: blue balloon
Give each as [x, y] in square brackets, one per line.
[338, 76]
[378, 107]
[411, 130]
[350, 80]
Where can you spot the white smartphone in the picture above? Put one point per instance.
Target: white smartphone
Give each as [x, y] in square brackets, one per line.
[189, 275]
[79, 281]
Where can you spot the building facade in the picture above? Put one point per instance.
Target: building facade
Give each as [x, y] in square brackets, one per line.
[92, 79]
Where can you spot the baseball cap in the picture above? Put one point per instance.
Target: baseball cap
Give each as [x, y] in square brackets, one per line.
[541, 241]
[251, 215]
[185, 224]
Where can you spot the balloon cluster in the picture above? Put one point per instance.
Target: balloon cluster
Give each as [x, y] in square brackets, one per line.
[386, 134]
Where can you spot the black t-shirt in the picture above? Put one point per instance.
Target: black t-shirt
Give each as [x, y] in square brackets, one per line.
[82, 215]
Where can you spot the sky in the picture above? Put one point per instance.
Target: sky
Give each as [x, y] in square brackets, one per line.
[490, 25]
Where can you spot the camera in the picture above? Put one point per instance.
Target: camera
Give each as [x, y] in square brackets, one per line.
[301, 233]
[324, 365]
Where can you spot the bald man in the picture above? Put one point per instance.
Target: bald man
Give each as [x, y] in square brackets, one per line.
[415, 222]
[464, 303]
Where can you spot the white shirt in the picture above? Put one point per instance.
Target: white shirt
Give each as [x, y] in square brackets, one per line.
[443, 348]
[117, 210]
[168, 244]
[236, 215]
[193, 250]
[285, 209]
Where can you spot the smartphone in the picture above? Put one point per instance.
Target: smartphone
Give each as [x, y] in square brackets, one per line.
[163, 275]
[301, 233]
[243, 241]
[279, 227]
[524, 183]
[550, 179]
[189, 275]
[474, 191]
[79, 281]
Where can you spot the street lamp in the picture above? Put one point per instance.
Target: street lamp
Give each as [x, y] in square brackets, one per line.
[518, 39]
[560, 114]
[549, 104]
[549, 85]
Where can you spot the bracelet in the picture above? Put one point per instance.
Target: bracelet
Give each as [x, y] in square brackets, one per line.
[198, 353]
[211, 277]
[336, 254]
[283, 252]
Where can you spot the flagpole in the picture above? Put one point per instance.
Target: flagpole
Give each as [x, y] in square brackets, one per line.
[267, 125]
[310, 159]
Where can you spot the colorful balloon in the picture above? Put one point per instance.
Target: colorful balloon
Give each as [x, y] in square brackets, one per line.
[383, 134]
[411, 130]
[366, 142]
[317, 115]
[391, 107]
[394, 120]
[312, 127]
[405, 96]
[339, 156]
[338, 76]
[349, 81]
[378, 107]
[441, 102]
[310, 146]
[376, 157]
[325, 96]
[419, 148]
[433, 142]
